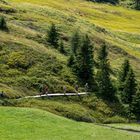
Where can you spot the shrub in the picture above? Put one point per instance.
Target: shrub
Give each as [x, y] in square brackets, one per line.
[5, 8]
[3, 24]
[68, 76]
[13, 72]
[1, 102]
[106, 1]
[19, 60]
[3, 1]
[115, 119]
[24, 82]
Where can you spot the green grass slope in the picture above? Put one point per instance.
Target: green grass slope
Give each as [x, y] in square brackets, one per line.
[33, 124]
[28, 22]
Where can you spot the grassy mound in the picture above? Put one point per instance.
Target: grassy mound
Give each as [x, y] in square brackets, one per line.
[33, 124]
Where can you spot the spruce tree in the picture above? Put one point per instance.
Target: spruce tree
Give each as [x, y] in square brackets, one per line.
[75, 42]
[3, 25]
[107, 1]
[135, 105]
[71, 61]
[123, 74]
[106, 89]
[53, 36]
[85, 62]
[62, 50]
[137, 4]
[130, 87]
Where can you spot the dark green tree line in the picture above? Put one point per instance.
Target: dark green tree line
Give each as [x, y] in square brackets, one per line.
[83, 64]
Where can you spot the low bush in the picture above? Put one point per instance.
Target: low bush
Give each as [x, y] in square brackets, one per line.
[3, 24]
[5, 8]
[24, 81]
[19, 60]
[106, 1]
[115, 119]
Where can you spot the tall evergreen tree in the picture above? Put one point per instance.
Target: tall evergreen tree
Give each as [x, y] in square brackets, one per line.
[75, 42]
[71, 61]
[62, 50]
[85, 62]
[123, 74]
[135, 105]
[53, 36]
[106, 89]
[130, 87]
[3, 24]
[137, 4]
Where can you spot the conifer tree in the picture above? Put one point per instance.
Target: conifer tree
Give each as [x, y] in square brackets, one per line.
[3, 25]
[107, 1]
[75, 42]
[71, 61]
[137, 4]
[123, 74]
[53, 36]
[135, 105]
[106, 89]
[130, 87]
[85, 62]
[62, 50]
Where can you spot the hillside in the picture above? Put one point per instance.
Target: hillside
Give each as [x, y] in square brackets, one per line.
[28, 22]
[40, 125]
[37, 56]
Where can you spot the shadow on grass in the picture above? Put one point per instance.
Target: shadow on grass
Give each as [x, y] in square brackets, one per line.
[124, 129]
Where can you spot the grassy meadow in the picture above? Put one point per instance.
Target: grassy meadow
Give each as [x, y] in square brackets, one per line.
[34, 124]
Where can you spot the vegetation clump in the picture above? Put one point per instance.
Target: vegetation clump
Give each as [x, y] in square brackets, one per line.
[19, 60]
[135, 4]
[107, 1]
[3, 24]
